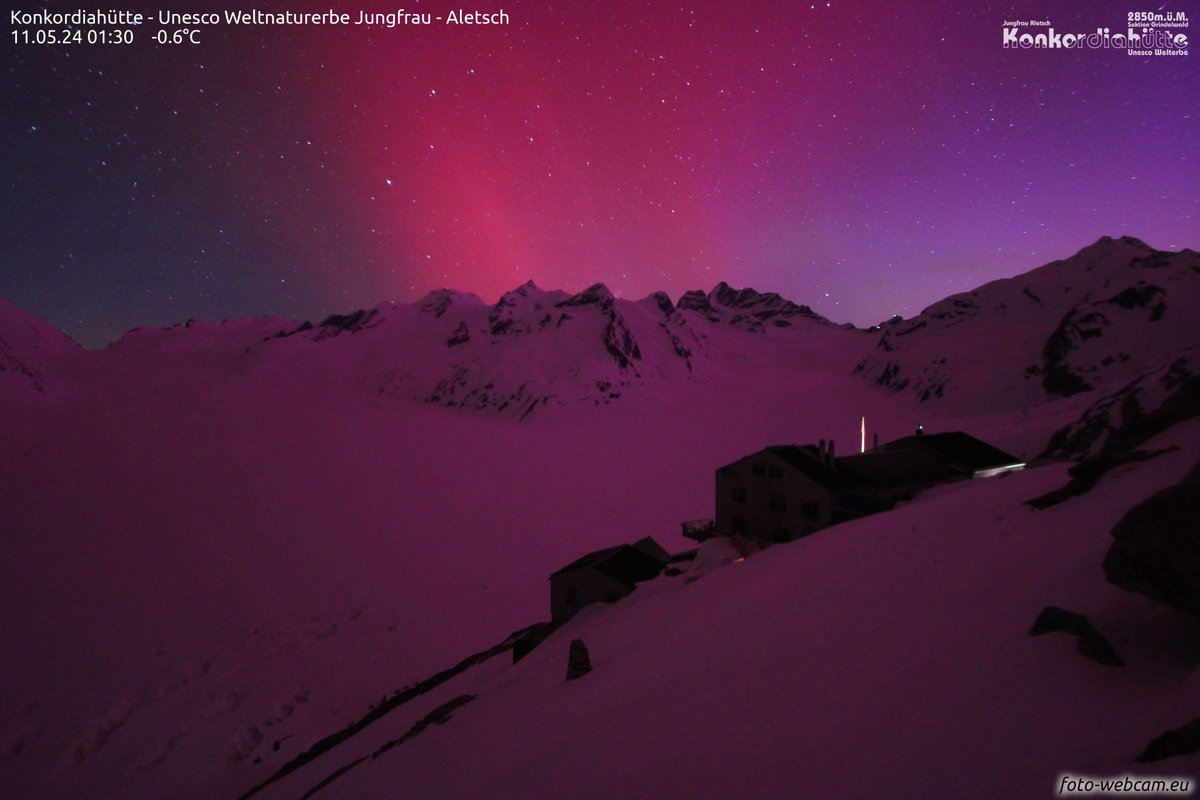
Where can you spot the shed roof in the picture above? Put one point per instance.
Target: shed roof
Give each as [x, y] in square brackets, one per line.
[624, 562]
[960, 449]
[899, 468]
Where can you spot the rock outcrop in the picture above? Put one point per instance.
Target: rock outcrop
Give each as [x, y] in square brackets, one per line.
[1156, 547]
[1181, 741]
[1092, 643]
[578, 661]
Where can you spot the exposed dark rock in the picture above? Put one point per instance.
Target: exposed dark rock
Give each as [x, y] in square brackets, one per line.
[9, 363]
[437, 303]
[353, 321]
[618, 338]
[1053, 619]
[681, 350]
[698, 301]
[936, 389]
[460, 336]
[1110, 432]
[912, 326]
[529, 638]
[1088, 321]
[1156, 551]
[386, 706]
[663, 301]
[890, 376]
[759, 307]
[595, 295]
[1144, 295]
[439, 716]
[1077, 325]
[1088, 473]
[954, 309]
[1181, 741]
[1075, 330]
[503, 315]
[619, 341]
[752, 310]
[336, 324]
[1091, 643]
[578, 662]
[1156, 260]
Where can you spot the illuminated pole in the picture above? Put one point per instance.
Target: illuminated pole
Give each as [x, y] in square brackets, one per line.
[862, 447]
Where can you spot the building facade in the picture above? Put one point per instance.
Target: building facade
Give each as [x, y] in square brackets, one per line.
[785, 492]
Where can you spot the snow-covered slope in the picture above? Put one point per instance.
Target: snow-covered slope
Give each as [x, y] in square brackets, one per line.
[889, 657]
[32, 354]
[1111, 312]
[1123, 420]
[195, 342]
[229, 542]
[227, 539]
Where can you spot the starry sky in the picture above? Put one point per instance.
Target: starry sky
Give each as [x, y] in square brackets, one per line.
[866, 158]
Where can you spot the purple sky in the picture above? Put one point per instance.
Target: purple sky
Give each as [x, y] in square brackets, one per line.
[863, 158]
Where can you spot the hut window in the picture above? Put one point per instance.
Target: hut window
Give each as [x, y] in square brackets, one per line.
[775, 472]
[759, 469]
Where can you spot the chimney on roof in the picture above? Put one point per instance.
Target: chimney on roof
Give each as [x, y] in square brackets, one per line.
[920, 430]
[821, 451]
[829, 453]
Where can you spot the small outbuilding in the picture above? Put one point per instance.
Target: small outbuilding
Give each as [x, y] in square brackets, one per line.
[603, 576]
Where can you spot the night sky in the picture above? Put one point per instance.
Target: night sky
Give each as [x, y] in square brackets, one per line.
[865, 158]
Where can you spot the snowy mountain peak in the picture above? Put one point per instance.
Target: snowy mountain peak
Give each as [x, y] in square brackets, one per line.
[659, 301]
[1109, 244]
[597, 294]
[20, 329]
[439, 301]
[30, 349]
[523, 309]
[746, 308]
[1115, 309]
[696, 300]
